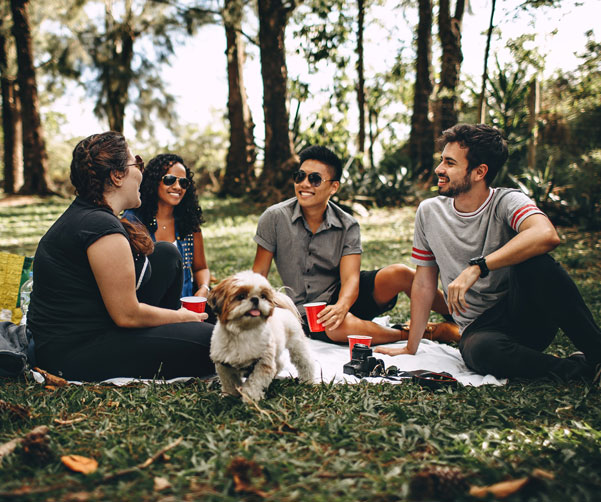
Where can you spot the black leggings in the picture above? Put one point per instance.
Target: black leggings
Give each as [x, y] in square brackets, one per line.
[166, 351]
[508, 339]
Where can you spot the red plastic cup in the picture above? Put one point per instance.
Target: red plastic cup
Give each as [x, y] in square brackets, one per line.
[194, 303]
[312, 309]
[353, 339]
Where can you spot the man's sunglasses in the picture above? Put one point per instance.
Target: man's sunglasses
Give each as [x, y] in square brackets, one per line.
[139, 163]
[170, 179]
[314, 178]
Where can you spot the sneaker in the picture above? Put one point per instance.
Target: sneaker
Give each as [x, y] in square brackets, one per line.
[588, 370]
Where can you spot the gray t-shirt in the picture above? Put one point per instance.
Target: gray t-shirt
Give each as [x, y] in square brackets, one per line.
[447, 238]
[309, 264]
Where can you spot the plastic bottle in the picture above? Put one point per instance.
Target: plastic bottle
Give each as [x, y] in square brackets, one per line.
[25, 296]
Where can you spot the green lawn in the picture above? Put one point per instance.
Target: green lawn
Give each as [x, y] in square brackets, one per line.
[321, 442]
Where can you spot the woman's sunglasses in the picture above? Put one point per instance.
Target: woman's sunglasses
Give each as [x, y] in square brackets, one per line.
[139, 163]
[314, 178]
[170, 179]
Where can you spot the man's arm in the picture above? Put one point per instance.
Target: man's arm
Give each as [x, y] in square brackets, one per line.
[536, 236]
[423, 290]
[333, 315]
[262, 262]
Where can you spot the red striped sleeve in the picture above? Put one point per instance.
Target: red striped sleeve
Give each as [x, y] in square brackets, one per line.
[420, 254]
[529, 208]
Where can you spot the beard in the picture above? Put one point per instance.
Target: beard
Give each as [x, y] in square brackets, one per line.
[453, 190]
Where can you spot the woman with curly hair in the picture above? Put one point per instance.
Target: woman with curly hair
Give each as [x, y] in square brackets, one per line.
[105, 300]
[171, 213]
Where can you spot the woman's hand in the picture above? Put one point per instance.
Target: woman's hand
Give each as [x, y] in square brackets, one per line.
[203, 291]
[189, 316]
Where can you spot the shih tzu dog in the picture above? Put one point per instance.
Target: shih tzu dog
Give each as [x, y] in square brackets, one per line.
[255, 324]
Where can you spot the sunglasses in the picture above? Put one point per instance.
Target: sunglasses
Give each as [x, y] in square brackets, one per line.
[170, 179]
[314, 178]
[139, 163]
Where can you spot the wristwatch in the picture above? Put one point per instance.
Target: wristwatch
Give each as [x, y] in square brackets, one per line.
[481, 262]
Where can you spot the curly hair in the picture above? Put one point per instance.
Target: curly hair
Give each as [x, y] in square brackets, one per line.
[485, 144]
[188, 213]
[94, 158]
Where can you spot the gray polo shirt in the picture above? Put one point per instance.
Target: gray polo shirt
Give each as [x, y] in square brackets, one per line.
[308, 263]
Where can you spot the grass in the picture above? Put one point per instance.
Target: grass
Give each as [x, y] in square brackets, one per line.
[322, 442]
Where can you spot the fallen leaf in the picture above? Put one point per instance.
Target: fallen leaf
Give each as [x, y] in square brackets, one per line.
[542, 474]
[51, 380]
[499, 490]
[161, 484]
[14, 410]
[245, 473]
[81, 464]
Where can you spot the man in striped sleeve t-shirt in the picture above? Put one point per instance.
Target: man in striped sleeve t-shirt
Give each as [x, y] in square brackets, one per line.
[490, 246]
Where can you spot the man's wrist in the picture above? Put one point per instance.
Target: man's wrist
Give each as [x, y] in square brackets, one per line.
[480, 262]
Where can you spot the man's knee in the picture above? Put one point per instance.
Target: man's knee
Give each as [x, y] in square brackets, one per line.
[397, 276]
[483, 353]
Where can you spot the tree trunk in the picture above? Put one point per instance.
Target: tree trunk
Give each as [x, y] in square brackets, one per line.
[421, 139]
[280, 161]
[361, 78]
[116, 76]
[533, 111]
[449, 30]
[35, 159]
[11, 124]
[482, 101]
[240, 163]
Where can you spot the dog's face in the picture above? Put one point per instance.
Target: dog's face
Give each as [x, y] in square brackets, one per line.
[245, 298]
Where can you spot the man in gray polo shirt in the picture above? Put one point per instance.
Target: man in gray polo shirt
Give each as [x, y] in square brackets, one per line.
[490, 246]
[317, 250]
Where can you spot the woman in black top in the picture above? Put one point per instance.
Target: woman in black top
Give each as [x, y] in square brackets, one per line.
[105, 301]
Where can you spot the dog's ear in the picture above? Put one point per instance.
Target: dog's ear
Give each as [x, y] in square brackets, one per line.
[217, 295]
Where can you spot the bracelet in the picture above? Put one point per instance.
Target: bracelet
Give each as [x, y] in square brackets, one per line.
[205, 286]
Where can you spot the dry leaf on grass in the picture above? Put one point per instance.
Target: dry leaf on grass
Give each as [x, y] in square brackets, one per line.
[81, 464]
[499, 490]
[14, 410]
[246, 474]
[52, 381]
[161, 484]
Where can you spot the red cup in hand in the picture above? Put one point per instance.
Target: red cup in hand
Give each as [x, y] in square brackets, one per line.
[312, 309]
[194, 303]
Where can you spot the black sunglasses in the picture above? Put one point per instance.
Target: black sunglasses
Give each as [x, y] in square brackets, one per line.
[170, 179]
[314, 178]
[139, 163]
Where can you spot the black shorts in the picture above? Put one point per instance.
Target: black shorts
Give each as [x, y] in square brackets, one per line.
[365, 307]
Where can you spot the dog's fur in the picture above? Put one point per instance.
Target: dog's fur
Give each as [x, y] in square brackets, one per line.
[255, 324]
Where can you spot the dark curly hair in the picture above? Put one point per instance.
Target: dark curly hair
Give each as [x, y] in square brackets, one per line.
[188, 214]
[485, 144]
[94, 158]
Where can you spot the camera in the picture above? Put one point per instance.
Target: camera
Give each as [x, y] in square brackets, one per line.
[362, 362]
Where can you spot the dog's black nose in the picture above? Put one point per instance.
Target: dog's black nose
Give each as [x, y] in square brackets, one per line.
[255, 301]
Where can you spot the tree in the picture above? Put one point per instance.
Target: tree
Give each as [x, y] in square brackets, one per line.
[481, 111]
[241, 155]
[360, 76]
[421, 139]
[35, 159]
[449, 31]
[116, 52]
[280, 161]
[11, 119]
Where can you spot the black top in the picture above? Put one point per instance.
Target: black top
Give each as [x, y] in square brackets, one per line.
[66, 305]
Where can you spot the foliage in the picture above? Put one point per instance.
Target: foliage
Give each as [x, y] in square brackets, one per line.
[320, 442]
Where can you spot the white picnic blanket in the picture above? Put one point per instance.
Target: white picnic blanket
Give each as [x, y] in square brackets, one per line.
[432, 356]
[330, 359]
